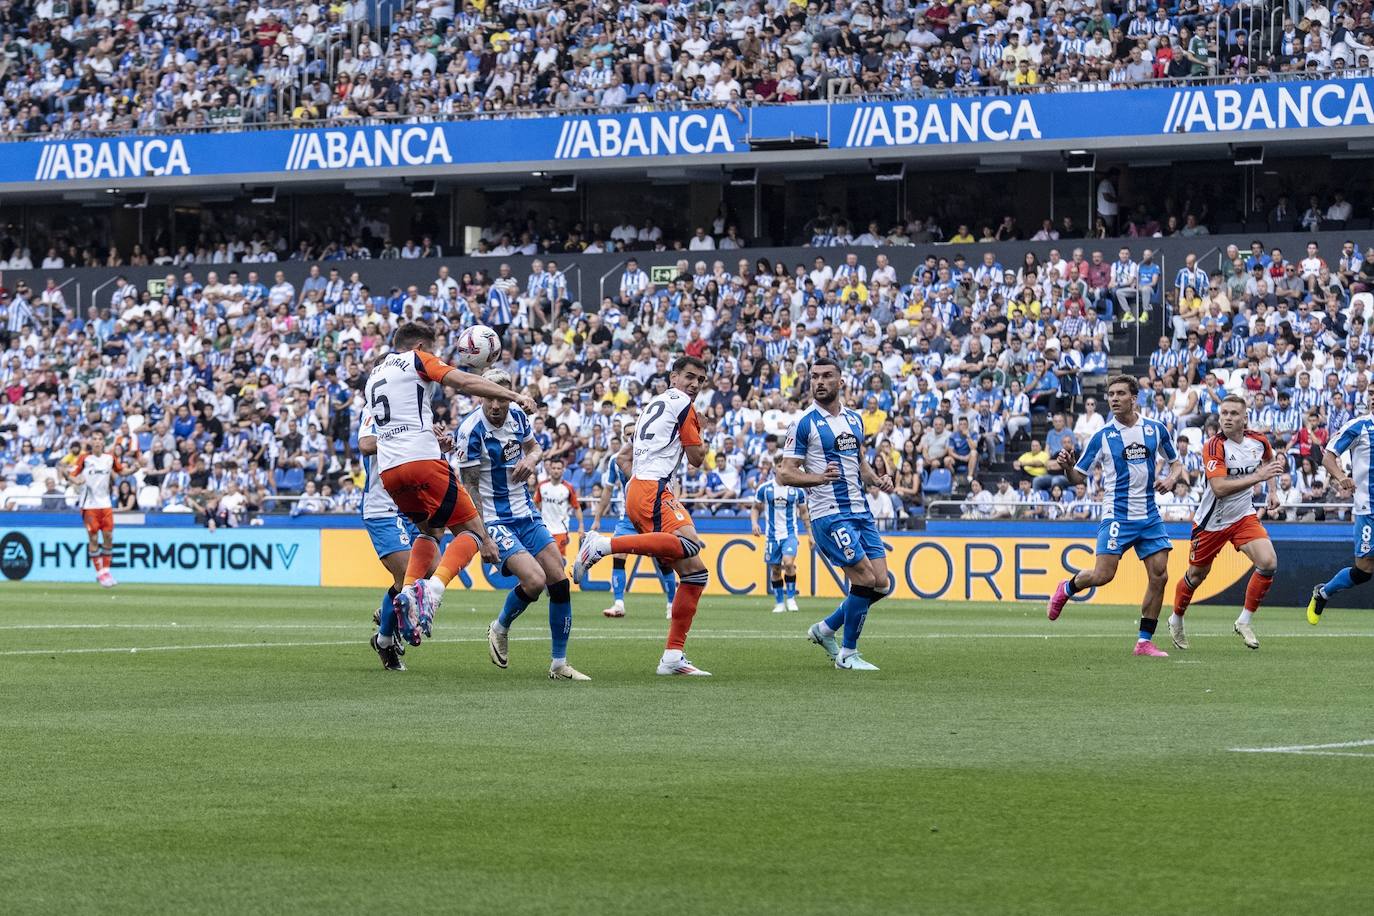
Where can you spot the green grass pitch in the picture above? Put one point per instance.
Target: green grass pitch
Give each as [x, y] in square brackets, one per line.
[253, 757]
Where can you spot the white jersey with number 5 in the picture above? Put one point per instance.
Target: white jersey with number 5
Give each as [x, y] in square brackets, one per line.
[399, 393]
[668, 423]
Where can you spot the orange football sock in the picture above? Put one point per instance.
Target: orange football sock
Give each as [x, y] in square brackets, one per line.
[422, 554]
[1183, 595]
[1256, 589]
[457, 555]
[654, 544]
[684, 609]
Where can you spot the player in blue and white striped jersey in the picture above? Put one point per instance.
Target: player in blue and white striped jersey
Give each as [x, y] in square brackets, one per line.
[613, 481]
[497, 312]
[782, 508]
[825, 455]
[1129, 449]
[497, 457]
[1357, 438]
[391, 534]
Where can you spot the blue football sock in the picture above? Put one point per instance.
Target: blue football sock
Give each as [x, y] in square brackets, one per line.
[836, 619]
[1339, 583]
[560, 625]
[779, 595]
[790, 586]
[388, 624]
[855, 609]
[618, 583]
[668, 579]
[516, 602]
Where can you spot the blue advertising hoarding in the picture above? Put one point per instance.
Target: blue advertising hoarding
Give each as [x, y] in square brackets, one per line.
[229, 556]
[1003, 121]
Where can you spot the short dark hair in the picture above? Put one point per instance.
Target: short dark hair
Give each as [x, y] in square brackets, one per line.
[825, 361]
[1129, 381]
[682, 362]
[412, 334]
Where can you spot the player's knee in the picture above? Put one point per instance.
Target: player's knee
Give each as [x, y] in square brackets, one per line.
[560, 591]
[1360, 576]
[533, 584]
[690, 547]
[696, 577]
[618, 562]
[869, 593]
[1266, 572]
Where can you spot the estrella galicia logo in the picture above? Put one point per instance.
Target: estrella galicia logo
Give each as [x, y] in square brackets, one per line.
[16, 555]
[846, 442]
[1135, 452]
[511, 451]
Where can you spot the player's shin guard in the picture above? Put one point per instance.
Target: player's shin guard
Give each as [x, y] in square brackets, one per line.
[457, 555]
[1257, 588]
[790, 585]
[1183, 594]
[94, 557]
[656, 544]
[618, 578]
[422, 554]
[560, 617]
[516, 602]
[779, 593]
[855, 609]
[387, 628]
[685, 607]
[1349, 577]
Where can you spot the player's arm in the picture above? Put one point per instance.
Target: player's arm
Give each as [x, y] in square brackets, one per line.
[872, 478]
[1345, 484]
[791, 472]
[367, 445]
[601, 505]
[1223, 485]
[524, 468]
[754, 515]
[690, 436]
[625, 459]
[574, 508]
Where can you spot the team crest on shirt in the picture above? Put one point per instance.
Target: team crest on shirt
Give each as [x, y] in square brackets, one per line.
[511, 451]
[846, 442]
[1135, 452]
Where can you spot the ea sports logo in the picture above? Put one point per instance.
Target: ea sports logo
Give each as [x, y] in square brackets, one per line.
[16, 555]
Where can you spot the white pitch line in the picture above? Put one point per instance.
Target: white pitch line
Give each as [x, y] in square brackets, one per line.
[1315, 750]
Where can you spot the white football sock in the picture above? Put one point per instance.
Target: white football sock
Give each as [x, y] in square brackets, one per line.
[1245, 617]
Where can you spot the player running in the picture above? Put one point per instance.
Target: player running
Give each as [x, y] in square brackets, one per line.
[497, 456]
[667, 431]
[824, 454]
[782, 507]
[1128, 448]
[613, 481]
[1354, 437]
[391, 534]
[1235, 460]
[400, 392]
[558, 504]
[93, 473]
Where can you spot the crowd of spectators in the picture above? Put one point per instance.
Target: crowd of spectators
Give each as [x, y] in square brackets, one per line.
[233, 392]
[114, 65]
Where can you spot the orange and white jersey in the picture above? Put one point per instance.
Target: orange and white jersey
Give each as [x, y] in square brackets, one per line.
[399, 394]
[557, 502]
[96, 473]
[668, 423]
[1223, 458]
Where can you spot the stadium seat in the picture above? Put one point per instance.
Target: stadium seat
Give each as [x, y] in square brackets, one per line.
[938, 482]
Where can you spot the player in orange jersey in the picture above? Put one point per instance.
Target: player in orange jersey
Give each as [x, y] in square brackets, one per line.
[94, 473]
[1235, 461]
[399, 394]
[667, 431]
[558, 504]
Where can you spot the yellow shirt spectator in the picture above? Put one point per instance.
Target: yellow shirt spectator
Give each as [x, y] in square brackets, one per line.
[873, 420]
[1035, 463]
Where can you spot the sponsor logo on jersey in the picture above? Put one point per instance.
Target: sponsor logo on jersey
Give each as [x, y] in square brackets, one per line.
[511, 451]
[847, 442]
[1135, 452]
[1212, 465]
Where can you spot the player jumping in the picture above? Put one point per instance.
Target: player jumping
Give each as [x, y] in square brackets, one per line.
[824, 453]
[497, 456]
[558, 504]
[400, 392]
[613, 482]
[667, 431]
[1234, 460]
[782, 507]
[93, 473]
[1355, 438]
[1128, 447]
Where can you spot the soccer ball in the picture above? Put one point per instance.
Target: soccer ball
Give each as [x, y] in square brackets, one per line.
[478, 347]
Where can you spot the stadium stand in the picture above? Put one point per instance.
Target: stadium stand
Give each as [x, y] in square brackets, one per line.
[239, 390]
[119, 66]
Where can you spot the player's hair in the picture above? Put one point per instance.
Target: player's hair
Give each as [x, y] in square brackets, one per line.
[825, 361]
[683, 362]
[500, 377]
[1235, 399]
[1128, 380]
[412, 334]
